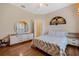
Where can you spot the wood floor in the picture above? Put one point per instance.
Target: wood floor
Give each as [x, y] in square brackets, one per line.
[24, 49]
[72, 50]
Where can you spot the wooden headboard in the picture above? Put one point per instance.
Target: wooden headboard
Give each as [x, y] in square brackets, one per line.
[73, 35]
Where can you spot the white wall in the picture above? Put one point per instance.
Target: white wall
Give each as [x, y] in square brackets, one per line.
[69, 13]
[10, 14]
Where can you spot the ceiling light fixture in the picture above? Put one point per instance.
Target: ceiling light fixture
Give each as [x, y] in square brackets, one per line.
[43, 5]
[23, 6]
[38, 5]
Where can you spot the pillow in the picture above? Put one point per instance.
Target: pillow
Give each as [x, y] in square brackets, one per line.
[57, 33]
[60, 34]
[51, 33]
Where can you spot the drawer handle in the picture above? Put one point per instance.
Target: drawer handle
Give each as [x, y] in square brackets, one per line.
[73, 43]
[74, 40]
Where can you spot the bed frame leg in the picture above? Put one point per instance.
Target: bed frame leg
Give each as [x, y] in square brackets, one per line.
[32, 45]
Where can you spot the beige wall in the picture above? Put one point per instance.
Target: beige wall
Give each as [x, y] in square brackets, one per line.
[10, 14]
[69, 13]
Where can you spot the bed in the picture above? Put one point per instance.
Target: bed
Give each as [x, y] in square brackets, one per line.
[53, 43]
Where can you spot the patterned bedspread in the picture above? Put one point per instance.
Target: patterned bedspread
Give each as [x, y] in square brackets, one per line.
[51, 44]
[51, 49]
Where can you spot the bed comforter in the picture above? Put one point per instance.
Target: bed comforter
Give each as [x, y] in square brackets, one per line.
[51, 45]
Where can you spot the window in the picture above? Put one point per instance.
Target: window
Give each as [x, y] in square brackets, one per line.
[21, 27]
[57, 20]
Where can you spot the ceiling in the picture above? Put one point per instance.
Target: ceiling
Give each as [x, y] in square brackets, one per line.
[34, 7]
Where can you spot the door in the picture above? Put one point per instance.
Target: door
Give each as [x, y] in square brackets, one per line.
[37, 27]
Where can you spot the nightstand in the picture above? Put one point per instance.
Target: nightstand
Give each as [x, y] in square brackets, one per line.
[73, 41]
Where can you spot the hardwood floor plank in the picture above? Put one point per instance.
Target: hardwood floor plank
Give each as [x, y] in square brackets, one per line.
[72, 50]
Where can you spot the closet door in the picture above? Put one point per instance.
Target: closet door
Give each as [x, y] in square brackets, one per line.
[37, 27]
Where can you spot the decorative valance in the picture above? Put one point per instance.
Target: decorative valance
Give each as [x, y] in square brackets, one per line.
[57, 20]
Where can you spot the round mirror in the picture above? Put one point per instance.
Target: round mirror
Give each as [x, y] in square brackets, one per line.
[22, 26]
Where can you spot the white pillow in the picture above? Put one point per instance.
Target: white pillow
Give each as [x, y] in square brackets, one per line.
[56, 31]
[51, 33]
[60, 34]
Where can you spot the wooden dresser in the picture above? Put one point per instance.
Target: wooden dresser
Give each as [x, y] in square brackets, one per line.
[18, 38]
[10, 39]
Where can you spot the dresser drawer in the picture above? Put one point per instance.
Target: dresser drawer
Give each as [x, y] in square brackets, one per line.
[20, 38]
[74, 42]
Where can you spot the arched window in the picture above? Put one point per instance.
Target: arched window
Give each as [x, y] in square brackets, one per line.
[22, 27]
[57, 20]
